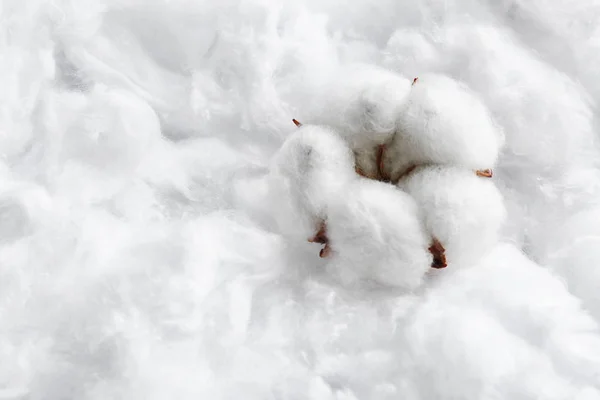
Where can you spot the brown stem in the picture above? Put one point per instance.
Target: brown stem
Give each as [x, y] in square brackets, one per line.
[360, 172]
[439, 254]
[321, 238]
[380, 168]
[321, 235]
[325, 251]
[484, 173]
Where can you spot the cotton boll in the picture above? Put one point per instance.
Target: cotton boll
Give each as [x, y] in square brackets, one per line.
[443, 122]
[463, 211]
[307, 172]
[362, 102]
[376, 233]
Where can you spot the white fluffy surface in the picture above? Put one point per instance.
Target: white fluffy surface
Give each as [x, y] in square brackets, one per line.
[443, 122]
[312, 168]
[463, 211]
[377, 234]
[138, 255]
[362, 102]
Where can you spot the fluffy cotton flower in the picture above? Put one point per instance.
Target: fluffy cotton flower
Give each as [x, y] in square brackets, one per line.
[377, 234]
[443, 122]
[463, 211]
[362, 102]
[310, 168]
[374, 230]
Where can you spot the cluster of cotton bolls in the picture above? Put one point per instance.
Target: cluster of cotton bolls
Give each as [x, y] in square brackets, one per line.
[393, 177]
[139, 256]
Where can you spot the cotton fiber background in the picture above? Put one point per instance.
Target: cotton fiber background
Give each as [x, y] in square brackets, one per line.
[138, 256]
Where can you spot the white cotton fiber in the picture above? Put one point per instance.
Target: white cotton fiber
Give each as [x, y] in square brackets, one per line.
[362, 102]
[574, 255]
[107, 130]
[408, 51]
[549, 317]
[377, 234]
[462, 210]
[507, 329]
[94, 145]
[443, 122]
[309, 169]
[112, 132]
[136, 265]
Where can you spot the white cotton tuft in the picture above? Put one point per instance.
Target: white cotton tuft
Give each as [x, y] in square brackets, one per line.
[410, 51]
[443, 122]
[119, 136]
[462, 210]
[309, 169]
[362, 102]
[138, 265]
[107, 130]
[376, 234]
[574, 254]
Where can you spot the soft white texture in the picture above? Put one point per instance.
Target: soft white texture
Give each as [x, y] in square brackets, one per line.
[165, 279]
[362, 102]
[443, 122]
[377, 234]
[313, 166]
[519, 343]
[463, 211]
